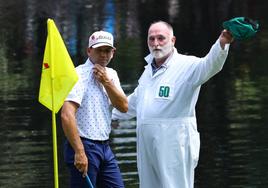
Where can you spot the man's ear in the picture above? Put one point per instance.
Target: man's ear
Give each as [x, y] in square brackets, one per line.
[88, 51]
[173, 40]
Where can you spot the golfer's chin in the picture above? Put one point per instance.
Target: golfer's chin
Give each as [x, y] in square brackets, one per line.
[103, 63]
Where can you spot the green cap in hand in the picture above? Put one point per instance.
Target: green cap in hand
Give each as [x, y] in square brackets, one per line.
[241, 27]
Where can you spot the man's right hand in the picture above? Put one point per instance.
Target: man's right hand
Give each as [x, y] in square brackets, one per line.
[81, 162]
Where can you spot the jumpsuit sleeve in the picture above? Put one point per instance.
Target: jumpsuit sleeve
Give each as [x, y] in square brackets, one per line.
[131, 113]
[211, 64]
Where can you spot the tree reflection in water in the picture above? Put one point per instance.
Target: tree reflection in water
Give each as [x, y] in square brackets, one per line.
[231, 110]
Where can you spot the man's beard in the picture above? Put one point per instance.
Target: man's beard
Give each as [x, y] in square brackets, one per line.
[162, 51]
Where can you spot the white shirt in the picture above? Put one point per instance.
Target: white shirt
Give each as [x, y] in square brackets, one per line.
[94, 113]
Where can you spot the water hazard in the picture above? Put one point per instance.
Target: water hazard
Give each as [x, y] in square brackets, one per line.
[232, 108]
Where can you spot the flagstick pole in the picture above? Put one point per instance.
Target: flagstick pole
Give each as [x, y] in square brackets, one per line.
[54, 130]
[55, 153]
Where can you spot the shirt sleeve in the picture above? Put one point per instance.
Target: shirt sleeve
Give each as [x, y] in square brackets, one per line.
[116, 81]
[77, 92]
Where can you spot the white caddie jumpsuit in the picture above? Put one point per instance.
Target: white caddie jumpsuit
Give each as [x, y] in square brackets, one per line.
[164, 103]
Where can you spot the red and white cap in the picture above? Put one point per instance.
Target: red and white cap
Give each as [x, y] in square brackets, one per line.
[101, 38]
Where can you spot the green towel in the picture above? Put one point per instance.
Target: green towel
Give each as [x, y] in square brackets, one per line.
[241, 27]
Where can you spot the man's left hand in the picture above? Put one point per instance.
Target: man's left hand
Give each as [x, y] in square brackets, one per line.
[226, 38]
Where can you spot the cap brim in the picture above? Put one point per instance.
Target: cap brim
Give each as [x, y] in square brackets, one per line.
[101, 44]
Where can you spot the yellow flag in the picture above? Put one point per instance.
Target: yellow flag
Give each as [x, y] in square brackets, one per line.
[58, 72]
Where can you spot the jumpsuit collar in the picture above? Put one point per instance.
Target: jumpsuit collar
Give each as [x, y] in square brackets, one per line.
[150, 60]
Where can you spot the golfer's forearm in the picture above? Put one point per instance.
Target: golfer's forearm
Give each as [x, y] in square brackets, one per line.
[70, 127]
[73, 137]
[118, 99]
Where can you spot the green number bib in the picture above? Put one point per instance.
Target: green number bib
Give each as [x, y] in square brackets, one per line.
[164, 91]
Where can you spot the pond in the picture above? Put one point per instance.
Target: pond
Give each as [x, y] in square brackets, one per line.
[231, 111]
